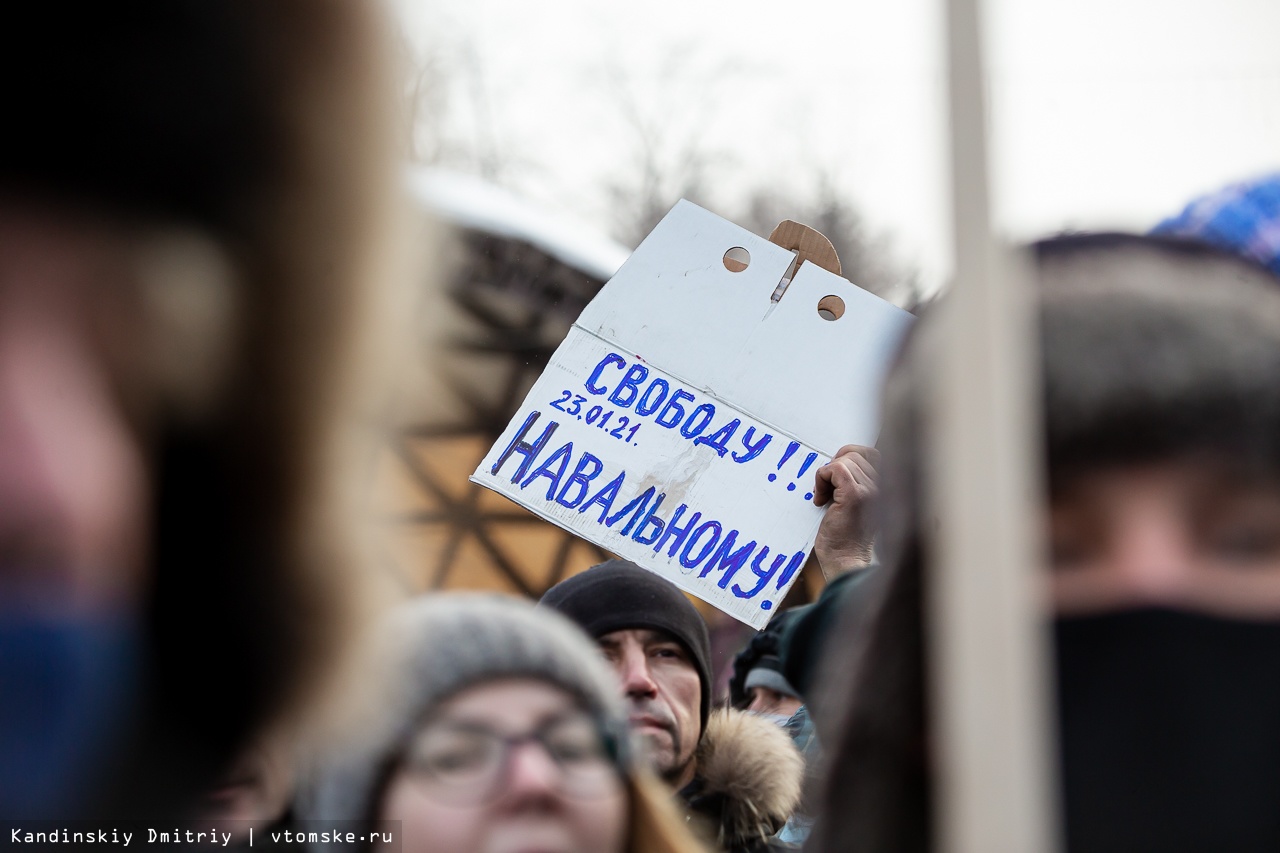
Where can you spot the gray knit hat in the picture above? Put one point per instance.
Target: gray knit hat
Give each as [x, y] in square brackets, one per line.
[427, 651]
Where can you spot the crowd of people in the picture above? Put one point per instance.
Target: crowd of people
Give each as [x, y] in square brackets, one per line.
[194, 245]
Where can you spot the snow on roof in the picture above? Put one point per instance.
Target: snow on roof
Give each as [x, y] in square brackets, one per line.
[472, 203]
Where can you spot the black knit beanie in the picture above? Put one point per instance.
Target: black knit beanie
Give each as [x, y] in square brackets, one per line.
[762, 662]
[618, 595]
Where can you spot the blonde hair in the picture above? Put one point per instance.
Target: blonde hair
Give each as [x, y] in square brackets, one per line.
[657, 826]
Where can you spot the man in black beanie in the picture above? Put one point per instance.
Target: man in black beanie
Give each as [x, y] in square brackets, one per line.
[659, 646]
[739, 772]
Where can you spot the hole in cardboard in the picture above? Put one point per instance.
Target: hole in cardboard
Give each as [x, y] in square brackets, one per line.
[831, 307]
[736, 259]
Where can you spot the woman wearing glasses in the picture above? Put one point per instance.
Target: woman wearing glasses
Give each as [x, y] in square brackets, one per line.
[490, 727]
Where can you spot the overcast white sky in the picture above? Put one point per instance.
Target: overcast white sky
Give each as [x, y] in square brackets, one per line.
[1105, 113]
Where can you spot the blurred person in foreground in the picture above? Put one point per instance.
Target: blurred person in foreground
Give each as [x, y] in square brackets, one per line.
[1161, 389]
[484, 725]
[195, 215]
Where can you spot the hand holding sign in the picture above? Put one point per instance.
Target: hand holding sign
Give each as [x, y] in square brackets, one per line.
[847, 486]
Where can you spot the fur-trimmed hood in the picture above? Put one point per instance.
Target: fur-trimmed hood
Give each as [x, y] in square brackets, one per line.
[749, 779]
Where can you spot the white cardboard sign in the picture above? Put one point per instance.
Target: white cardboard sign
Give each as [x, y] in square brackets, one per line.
[680, 423]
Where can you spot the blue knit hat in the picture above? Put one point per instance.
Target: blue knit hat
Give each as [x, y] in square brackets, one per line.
[1243, 218]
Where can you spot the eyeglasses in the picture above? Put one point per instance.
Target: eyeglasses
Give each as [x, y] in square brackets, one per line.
[466, 763]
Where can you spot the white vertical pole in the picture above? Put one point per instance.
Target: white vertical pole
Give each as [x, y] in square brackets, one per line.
[987, 646]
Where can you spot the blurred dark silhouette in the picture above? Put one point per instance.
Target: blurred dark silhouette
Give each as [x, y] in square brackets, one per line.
[195, 205]
[1161, 395]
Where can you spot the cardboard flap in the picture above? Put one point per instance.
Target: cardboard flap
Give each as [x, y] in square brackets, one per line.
[780, 361]
[818, 379]
[675, 304]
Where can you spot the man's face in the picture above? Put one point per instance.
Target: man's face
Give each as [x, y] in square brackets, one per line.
[1193, 533]
[664, 696]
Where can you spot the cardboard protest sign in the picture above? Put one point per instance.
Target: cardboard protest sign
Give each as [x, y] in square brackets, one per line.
[680, 423]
